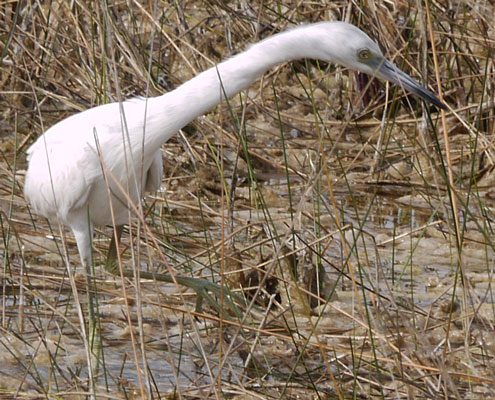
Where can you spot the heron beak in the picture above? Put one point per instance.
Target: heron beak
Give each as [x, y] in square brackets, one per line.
[386, 70]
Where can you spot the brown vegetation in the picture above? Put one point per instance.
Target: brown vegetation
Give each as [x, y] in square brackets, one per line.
[380, 270]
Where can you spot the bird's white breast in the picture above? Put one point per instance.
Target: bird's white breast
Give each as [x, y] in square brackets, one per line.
[66, 164]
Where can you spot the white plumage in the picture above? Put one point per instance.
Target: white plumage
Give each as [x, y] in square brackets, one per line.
[65, 177]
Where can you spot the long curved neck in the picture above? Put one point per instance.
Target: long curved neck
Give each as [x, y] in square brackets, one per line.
[172, 111]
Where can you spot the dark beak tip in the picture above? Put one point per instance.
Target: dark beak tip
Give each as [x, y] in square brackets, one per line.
[443, 106]
[437, 103]
[431, 98]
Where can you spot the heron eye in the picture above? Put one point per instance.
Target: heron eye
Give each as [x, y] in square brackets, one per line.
[364, 54]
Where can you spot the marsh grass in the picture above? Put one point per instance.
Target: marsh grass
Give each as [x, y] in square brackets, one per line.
[359, 220]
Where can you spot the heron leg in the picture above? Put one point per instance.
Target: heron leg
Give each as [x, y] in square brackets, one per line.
[82, 228]
[83, 232]
[112, 263]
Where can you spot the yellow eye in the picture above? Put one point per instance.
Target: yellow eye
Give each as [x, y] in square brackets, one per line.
[364, 54]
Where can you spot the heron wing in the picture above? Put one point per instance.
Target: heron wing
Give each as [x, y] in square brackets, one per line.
[65, 163]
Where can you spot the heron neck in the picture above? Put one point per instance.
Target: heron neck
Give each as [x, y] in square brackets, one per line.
[172, 111]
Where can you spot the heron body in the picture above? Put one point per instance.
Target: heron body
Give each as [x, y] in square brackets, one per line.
[87, 169]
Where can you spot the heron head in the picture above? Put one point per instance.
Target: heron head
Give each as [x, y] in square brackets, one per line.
[352, 48]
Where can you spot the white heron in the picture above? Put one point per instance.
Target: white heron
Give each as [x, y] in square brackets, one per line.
[65, 179]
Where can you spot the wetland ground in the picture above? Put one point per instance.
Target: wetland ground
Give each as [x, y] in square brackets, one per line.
[366, 216]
